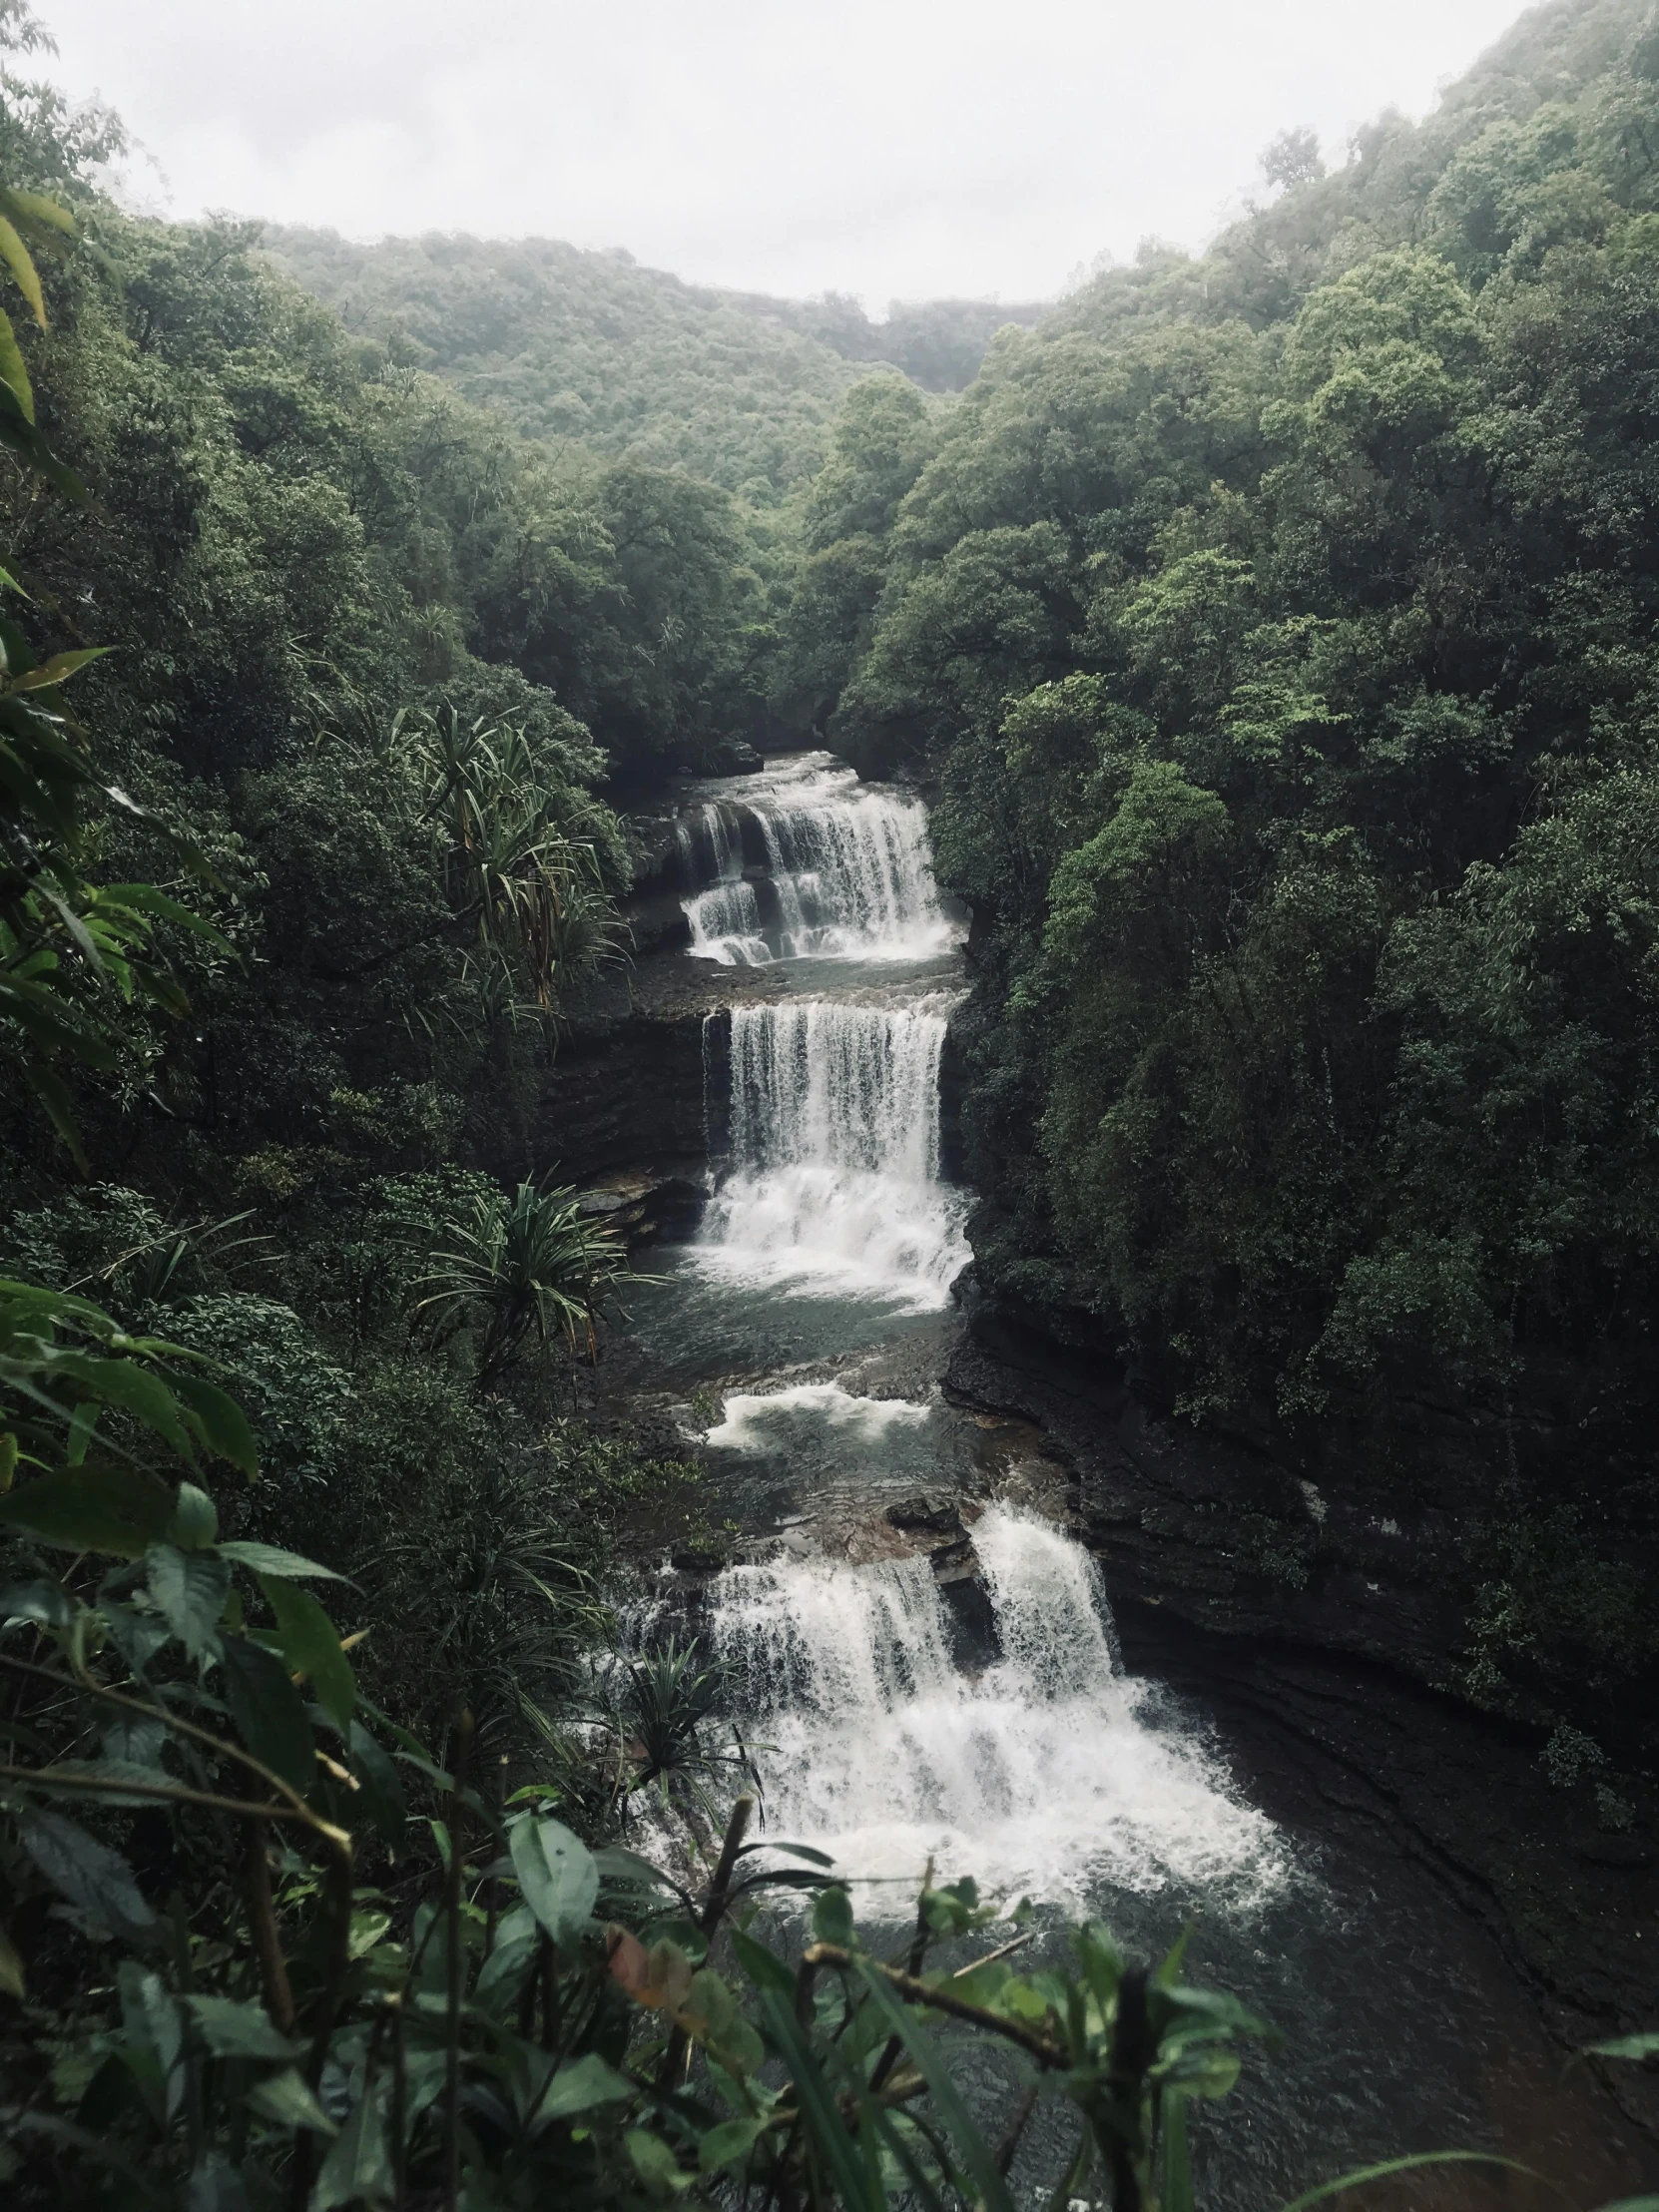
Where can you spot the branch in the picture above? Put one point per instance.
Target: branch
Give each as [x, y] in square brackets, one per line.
[175, 1793]
[335, 1837]
[914, 1991]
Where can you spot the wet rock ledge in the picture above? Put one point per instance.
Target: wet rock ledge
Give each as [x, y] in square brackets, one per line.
[1325, 1693]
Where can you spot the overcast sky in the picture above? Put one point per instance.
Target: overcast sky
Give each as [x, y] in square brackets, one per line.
[887, 148]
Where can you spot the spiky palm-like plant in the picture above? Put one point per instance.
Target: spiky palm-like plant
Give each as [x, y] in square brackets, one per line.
[529, 1264]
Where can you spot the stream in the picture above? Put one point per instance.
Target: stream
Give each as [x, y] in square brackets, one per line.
[922, 1653]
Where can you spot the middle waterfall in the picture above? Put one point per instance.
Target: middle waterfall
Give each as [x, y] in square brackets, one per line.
[834, 1184]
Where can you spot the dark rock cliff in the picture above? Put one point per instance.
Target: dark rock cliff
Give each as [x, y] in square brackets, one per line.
[1332, 1667]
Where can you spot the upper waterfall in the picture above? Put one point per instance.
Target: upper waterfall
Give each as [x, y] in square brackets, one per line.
[839, 870]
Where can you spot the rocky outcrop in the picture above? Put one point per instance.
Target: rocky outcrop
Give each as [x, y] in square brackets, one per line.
[1328, 1650]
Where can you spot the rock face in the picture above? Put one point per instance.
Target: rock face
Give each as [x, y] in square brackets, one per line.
[1330, 1682]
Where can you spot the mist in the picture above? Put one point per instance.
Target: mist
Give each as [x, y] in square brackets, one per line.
[883, 148]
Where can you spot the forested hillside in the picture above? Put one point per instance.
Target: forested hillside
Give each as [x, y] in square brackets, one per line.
[1280, 625]
[590, 347]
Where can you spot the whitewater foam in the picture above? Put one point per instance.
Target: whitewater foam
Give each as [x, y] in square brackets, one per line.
[1046, 1775]
[833, 1185]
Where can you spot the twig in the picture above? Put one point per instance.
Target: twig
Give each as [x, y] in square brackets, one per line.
[85, 1684]
[175, 1793]
[399, 2107]
[459, 1757]
[720, 1890]
[268, 1942]
[1010, 2142]
[919, 1953]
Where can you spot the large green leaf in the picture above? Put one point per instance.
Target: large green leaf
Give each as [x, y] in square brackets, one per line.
[290, 1566]
[288, 2098]
[189, 1587]
[268, 1711]
[17, 257]
[194, 1519]
[311, 1645]
[220, 1421]
[584, 2083]
[13, 370]
[237, 2027]
[556, 1874]
[357, 2169]
[971, 2147]
[92, 1509]
[379, 1791]
[90, 1874]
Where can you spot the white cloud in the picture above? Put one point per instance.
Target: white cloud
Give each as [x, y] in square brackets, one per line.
[888, 148]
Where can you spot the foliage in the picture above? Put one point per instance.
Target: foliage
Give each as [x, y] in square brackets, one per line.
[532, 1265]
[1278, 627]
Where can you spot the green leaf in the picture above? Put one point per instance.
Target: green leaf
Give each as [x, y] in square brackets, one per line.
[1401, 2166]
[1645, 2046]
[359, 2164]
[311, 1645]
[287, 2099]
[380, 1790]
[194, 1519]
[222, 1423]
[268, 1711]
[555, 1871]
[764, 1968]
[95, 1508]
[91, 1875]
[726, 2144]
[655, 2163]
[16, 254]
[12, 368]
[833, 1916]
[45, 1603]
[63, 1774]
[582, 2084]
[970, 2145]
[59, 669]
[237, 2027]
[189, 1587]
[287, 1566]
[818, 2109]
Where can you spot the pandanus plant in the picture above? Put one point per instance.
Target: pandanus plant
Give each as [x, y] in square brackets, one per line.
[529, 1264]
[534, 888]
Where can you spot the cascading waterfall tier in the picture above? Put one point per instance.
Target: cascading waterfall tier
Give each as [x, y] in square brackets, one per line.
[1044, 1774]
[725, 918]
[834, 1183]
[849, 870]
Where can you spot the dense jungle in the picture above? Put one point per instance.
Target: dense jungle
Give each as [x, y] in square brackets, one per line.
[1270, 632]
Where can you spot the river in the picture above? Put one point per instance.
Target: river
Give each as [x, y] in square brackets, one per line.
[915, 1638]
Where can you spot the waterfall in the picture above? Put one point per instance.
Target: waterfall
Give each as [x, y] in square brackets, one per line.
[834, 1183]
[849, 870]
[1046, 1774]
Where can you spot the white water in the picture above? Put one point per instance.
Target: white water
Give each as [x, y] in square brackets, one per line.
[754, 1420]
[725, 918]
[1043, 1775]
[850, 870]
[834, 1186]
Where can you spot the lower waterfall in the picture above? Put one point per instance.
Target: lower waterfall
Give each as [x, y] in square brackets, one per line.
[833, 1179]
[1042, 1774]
